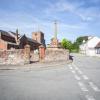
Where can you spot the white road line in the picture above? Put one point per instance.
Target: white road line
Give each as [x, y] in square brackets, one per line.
[94, 87]
[73, 71]
[80, 72]
[73, 65]
[77, 77]
[85, 77]
[70, 67]
[76, 68]
[88, 97]
[82, 86]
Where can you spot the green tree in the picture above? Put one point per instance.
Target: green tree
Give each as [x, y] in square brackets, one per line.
[79, 40]
[66, 44]
[75, 47]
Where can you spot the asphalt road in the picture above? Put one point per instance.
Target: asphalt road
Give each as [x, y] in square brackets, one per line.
[77, 81]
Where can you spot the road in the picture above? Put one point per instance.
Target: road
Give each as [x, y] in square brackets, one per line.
[75, 81]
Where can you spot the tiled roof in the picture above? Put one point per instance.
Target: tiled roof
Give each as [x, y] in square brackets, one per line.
[13, 33]
[98, 45]
[30, 39]
[5, 33]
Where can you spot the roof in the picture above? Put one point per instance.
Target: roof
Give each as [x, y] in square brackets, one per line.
[12, 43]
[5, 33]
[91, 43]
[98, 45]
[13, 33]
[30, 39]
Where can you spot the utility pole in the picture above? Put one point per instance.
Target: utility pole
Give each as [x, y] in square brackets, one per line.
[38, 27]
[17, 33]
[55, 29]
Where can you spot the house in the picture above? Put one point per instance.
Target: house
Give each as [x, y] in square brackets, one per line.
[14, 40]
[7, 41]
[26, 40]
[97, 49]
[91, 47]
[16, 35]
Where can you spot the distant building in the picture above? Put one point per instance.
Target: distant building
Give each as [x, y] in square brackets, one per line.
[7, 41]
[39, 37]
[26, 40]
[91, 47]
[97, 48]
[10, 40]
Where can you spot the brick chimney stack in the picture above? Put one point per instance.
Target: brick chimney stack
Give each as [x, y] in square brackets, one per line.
[17, 36]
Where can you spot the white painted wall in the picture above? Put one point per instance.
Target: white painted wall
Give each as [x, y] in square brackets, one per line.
[90, 52]
[88, 48]
[93, 42]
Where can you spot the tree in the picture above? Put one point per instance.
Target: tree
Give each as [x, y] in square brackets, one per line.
[66, 44]
[79, 40]
[75, 47]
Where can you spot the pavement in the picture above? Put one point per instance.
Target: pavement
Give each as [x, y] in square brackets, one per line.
[52, 81]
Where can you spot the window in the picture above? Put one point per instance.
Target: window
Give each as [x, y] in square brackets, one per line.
[97, 50]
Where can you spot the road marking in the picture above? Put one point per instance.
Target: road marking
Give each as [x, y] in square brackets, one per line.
[70, 67]
[88, 97]
[80, 72]
[76, 68]
[94, 87]
[77, 77]
[73, 71]
[82, 86]
[85, 77]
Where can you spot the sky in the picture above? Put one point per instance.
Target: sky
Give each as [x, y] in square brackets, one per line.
[74, 17]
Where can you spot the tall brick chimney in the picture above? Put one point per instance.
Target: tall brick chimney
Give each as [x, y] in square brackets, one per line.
[17, 36]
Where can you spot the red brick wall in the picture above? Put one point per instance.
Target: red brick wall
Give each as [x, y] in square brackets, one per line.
[41, 53]
[3, 45]
[12, 56]
[38, 36]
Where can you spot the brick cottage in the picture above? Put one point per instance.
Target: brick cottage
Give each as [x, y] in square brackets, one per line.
[14, 40]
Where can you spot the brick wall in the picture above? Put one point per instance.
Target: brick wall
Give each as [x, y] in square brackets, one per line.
[39, 37]
[12, 56]
[3, 45]
[56, 55]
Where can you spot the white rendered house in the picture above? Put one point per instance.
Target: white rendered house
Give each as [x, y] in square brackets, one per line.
[91, 47]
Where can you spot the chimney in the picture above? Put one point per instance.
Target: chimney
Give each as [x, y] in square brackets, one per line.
[17, 36]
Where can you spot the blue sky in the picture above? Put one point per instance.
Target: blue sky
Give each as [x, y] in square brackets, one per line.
[75, 17]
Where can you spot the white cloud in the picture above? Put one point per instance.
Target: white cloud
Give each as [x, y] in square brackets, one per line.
[59, 6]
[72, 26]
[86, 14]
